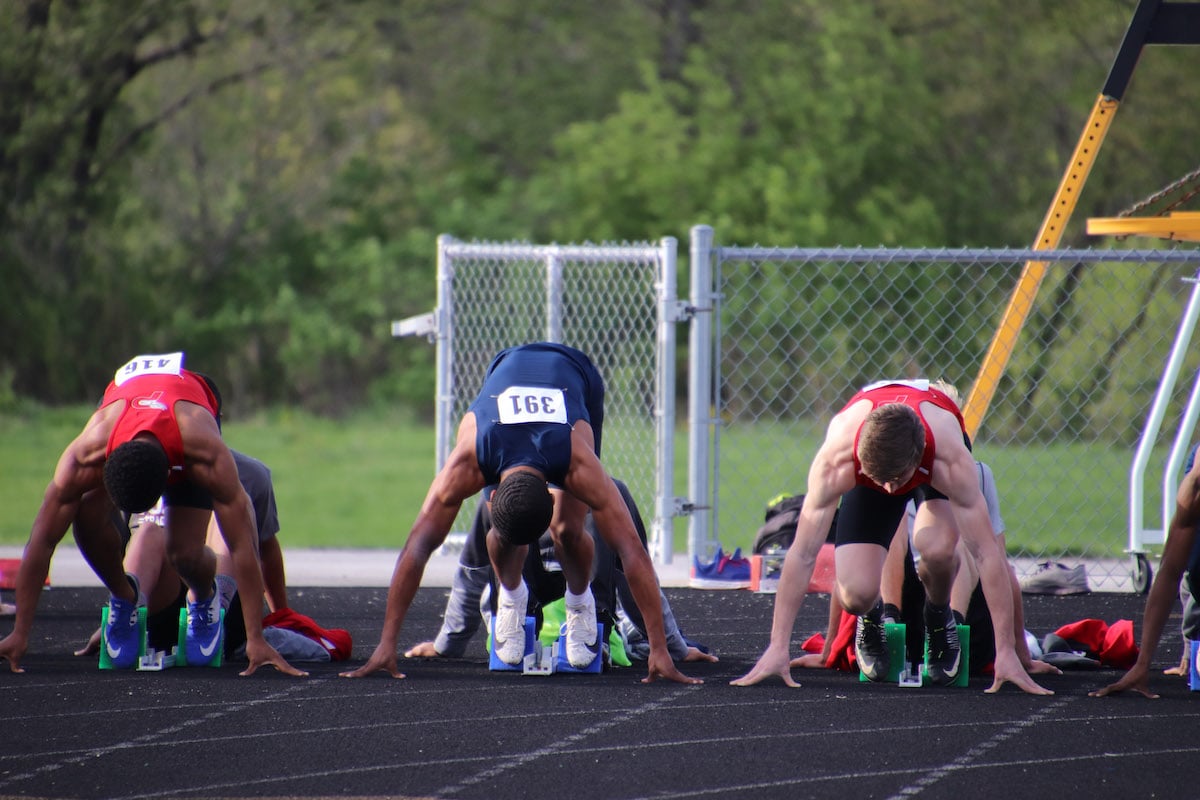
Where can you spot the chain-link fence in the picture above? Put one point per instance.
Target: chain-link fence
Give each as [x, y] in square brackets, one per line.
[797, 331]
[612, 302]
[781, 337]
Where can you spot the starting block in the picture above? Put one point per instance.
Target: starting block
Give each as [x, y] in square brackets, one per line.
[541, 659]
[561, 664]
[181, 659]
[765, 570]
[911, 674]
[531, 648]
[1193, 672]
[156, 660]
[105, 659]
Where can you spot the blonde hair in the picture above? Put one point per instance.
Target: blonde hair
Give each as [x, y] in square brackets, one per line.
[949, 389]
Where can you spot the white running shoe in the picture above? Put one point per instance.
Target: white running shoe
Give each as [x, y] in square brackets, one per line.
[581, 633]
[508, 629]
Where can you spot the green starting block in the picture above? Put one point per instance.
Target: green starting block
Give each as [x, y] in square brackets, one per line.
[910, 674]
[181, 659]
[105, 660]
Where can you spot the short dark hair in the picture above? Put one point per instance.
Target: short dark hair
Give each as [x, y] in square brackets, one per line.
[891, 442]
[522, 508]
[135, 474]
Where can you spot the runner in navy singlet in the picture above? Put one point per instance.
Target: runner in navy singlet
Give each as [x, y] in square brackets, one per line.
[533, 433]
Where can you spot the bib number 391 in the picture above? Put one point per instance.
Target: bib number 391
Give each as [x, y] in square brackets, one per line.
[519, 404]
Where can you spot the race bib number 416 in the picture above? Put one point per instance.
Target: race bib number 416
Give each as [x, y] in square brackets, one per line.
[166, 364]
[519, 404]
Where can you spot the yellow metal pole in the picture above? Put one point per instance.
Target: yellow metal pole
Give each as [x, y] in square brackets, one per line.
[1050, 234]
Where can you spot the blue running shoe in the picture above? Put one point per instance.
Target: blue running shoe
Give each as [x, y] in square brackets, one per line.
[204, 630]
[122, 637]
[723, 572]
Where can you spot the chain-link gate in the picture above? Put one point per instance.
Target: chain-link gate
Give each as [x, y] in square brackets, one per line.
[614, 302]
[797, 331]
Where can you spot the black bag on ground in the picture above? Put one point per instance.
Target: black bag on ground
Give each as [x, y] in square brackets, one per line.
[779, 524]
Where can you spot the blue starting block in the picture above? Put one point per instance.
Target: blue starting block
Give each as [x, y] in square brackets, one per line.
[539, 659]
[561, 664]
[1193, 673]
[181, 659]
[911, 674]
[531, 646]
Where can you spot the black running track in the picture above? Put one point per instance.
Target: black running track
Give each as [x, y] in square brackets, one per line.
[453, 729]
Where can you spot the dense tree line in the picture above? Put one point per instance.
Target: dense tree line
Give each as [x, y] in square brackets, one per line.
[262, 183]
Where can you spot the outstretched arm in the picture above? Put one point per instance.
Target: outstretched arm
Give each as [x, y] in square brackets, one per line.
[829, 477]
[588, 481]
[459, 478]
[78, 472]
[1163, 590]
[956, 472]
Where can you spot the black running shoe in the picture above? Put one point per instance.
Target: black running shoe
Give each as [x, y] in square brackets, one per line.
[871, 647]
[945, 653]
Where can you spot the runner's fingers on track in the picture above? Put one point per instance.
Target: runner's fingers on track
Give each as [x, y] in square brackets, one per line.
[262, 654]
[279, 664]
[1022, 682]
[769, 664]
[12, 653]
[421, 650]
[809, 661]
[665, 668]
[1125, 684]
[1043, 668]
[759, 674]
[92, 646]
[696, 654]
[380, 659]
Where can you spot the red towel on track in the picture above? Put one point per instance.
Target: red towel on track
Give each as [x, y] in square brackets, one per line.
[1111, 645]
[841, 652]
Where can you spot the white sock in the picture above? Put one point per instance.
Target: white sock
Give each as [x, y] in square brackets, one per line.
[577, 600]
[516, 596]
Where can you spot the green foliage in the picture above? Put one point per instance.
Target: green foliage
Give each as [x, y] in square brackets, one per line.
[262, 184]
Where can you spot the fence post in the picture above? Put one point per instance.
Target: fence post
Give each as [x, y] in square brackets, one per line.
[444, 383]
[663, 526]
[700, 393]
[554, 295]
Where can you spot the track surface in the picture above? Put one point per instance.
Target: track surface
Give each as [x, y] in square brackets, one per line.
[453, 729]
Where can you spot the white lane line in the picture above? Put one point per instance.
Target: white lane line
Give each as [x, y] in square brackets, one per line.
[617, 717]
[145, 739]
[978, 751]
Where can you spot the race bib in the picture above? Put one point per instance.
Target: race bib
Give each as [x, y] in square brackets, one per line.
[166, 364]
[921, 384]
[520, 404]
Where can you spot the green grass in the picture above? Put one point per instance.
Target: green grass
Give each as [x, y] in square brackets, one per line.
[352, 483]
[360, 482]
[1059, 499]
